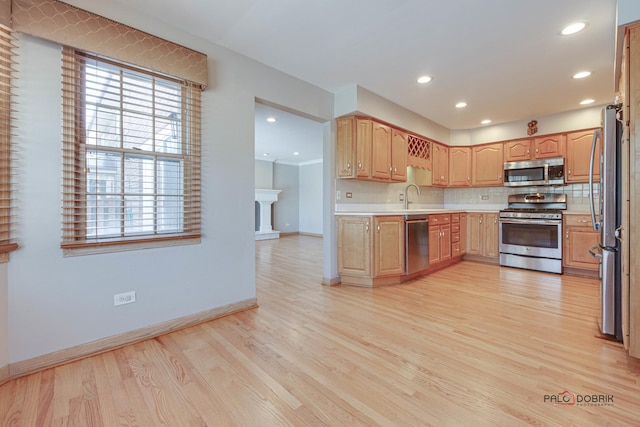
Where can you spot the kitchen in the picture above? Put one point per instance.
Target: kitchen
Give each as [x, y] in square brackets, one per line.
[53, 308]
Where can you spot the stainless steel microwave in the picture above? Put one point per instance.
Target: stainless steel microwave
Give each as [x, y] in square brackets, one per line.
[534, 172]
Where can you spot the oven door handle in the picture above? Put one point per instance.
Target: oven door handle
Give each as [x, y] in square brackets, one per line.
[530, 221]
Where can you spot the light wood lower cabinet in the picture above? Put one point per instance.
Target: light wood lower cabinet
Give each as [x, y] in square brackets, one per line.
[482, 234]
[370, 249]
[388, 248]
[458, 234]
[579, 236]
[439, 238]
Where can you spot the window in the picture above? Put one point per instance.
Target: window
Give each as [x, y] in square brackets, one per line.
[6, 151]
[131, 155]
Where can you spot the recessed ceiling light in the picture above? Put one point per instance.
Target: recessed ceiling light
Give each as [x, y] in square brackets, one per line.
[461, 104]
[582, 74]
[485, 121]
[587, 102]
[265, 154]
[424, 79]
[573, 28]
[295, 153]
[272, 119]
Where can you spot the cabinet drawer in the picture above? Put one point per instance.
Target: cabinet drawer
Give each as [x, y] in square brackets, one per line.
[578, 220]
[455, 218]
[455, 228]
[455, 249]
[439, 219]
[455, 237]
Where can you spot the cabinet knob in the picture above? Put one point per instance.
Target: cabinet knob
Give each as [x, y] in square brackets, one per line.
[395, 169]
[569, 172]
[359, 165]
[536, 150]
[480, 220]
[567, 235]
[495, 220]
[390, 169]
[348, 165]
[528, 152]
[378, 228]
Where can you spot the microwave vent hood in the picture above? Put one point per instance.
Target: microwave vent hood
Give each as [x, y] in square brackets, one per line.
[538, 172]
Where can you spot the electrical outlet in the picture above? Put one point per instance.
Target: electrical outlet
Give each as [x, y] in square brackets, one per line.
[349, 195]
[124, 298]
[338, 195]
[485, 197]
[401, 197]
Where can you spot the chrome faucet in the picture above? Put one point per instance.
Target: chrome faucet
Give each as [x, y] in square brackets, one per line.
[406, 194]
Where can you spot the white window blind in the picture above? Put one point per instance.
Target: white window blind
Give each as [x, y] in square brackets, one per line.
[131, 154]
[7, 157]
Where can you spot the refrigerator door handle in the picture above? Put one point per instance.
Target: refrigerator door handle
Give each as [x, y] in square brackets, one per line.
[595, 254]
[596, 225]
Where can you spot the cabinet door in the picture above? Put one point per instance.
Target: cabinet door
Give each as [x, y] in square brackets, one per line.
[491, 235]
[578, 240]
[518, 150]
[354, 245]
[346, 147]
[579, 156]
[475, 233]
[434, 244]
[549, 146]
[381, 151]
[487, 165]
[440, 164]
[459, 166]
[445, 242]
[363, 148]
[389, 246]
[463, 233]
[398, 155]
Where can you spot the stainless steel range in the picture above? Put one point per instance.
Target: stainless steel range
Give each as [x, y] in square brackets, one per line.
[531, 231]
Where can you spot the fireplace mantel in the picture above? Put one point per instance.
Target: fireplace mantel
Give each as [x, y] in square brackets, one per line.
[266, 198]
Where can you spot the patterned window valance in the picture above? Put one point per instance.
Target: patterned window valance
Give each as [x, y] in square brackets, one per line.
[70, 26]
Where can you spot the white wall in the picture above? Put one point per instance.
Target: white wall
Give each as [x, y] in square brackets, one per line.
[285, 210]
[358, 100]
[310, 191]
[4, 317]
[582, 118]
[628, 11]
[264, 174]
[55, 302]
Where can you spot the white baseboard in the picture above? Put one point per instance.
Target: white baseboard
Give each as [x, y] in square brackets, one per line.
[81, 351]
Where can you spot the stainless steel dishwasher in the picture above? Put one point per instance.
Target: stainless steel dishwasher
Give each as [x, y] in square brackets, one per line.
[416, 228]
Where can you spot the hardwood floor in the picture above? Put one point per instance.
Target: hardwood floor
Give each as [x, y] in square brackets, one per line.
[473, 344]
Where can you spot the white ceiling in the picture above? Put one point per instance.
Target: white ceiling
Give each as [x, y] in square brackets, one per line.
[505, 58]
[290, 133]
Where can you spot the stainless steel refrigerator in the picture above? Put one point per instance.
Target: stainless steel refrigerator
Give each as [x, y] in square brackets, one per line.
[606, 214]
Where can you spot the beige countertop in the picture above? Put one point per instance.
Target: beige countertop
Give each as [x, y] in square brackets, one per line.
[412, 212]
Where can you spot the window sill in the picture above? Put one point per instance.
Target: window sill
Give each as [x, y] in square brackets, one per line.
[5, 250]
[81, 249]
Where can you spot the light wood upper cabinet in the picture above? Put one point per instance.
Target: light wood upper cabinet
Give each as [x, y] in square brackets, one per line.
[398, 155]
[353, 151]
[487, 165]
[518, 150]
[440, 172]
[363, 147]
[354, 245]
[381, 151]
[579, 236]
[388, 246]
[346, 147]
[548, 146]
[369, 150]
[459, 166]
[579, 156]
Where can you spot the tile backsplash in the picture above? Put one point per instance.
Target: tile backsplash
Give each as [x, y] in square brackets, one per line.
[380, 193]
[577, 195]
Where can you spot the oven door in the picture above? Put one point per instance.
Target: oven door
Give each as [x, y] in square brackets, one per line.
[531, 237]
